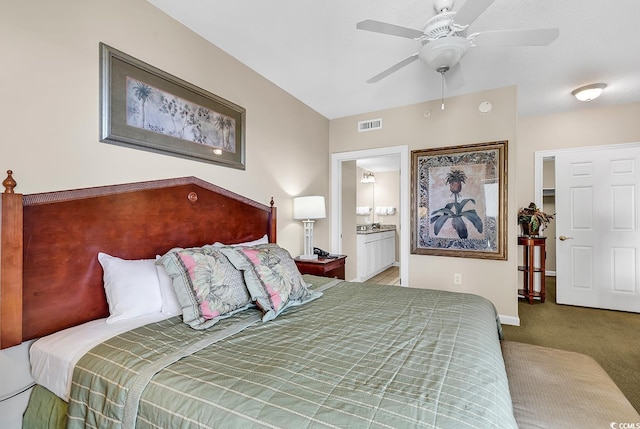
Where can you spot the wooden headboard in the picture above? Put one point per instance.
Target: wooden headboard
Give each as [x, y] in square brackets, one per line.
[50, 278]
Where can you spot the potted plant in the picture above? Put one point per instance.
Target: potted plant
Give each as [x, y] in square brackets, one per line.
[531, 219]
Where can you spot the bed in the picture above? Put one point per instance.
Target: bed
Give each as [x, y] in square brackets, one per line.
[304, 351]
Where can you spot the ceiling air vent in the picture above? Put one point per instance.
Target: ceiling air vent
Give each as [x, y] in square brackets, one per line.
[373, 124]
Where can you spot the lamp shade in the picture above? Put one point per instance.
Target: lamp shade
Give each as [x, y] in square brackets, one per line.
[309, 208]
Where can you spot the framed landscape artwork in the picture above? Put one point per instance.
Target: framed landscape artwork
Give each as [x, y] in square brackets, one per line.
[459, 200]
[145, 108]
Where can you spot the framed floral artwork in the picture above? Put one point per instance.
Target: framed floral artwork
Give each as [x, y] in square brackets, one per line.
[143, 107]
[459, 201]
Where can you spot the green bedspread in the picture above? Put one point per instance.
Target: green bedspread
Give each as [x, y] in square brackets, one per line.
[361, 356]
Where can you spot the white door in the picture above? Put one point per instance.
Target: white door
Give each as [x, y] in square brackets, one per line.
[597, 237]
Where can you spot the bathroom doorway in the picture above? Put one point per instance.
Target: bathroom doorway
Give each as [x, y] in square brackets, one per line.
[345, 167]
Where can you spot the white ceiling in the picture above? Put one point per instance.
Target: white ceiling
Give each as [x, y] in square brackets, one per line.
[312, 50]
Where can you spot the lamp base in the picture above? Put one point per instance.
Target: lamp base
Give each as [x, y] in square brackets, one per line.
[308, 257]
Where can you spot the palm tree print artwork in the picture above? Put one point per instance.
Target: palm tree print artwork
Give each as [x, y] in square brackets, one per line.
[161, 112]
[142, 92]
[145, 108]
[459, 201]
[224, 125]
[455, 211]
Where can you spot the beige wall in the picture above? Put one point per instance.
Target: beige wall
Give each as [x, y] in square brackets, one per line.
[387, 194]
[50, 81]
[460, 123]
[350, 182]
[592, 127]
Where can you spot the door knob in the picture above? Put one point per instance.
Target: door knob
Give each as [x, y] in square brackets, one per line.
[562, 238]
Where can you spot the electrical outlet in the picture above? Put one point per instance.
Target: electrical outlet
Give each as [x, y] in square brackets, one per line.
[457, 278]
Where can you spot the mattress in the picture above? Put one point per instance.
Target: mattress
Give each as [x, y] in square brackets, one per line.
[53, 357]
[363, 355]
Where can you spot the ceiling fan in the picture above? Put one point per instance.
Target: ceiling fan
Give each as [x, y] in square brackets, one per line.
[445, 40]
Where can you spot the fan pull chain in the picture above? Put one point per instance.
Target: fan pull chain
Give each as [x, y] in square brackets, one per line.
[442, 96]
[442, 70]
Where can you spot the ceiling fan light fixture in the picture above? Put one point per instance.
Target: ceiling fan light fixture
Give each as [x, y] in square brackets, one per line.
[444, 37]
[445, 52]
[589, 92]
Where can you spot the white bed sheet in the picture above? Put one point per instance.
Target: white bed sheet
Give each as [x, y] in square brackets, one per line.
[54, 357]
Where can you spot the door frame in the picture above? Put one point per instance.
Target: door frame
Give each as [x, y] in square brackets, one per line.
[336, 199]
[542, 154]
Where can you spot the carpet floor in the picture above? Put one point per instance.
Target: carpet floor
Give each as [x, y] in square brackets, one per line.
[612, 338]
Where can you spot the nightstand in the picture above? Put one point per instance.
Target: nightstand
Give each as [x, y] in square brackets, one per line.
[325, 267]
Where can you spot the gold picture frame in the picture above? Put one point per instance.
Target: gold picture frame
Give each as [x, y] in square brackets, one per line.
[459, 201]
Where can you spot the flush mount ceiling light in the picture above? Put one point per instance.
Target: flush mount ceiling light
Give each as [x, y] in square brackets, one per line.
[589, 92]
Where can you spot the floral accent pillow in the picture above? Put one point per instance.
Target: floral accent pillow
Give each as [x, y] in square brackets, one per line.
[208, 286]
[271, 276]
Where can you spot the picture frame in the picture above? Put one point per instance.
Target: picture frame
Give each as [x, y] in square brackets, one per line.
[459, 201]
[143, 107]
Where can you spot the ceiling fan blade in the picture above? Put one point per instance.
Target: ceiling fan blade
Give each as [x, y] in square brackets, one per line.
[393, 68]
[386, 28]
[534, 37]
[454, 77]
[470, 11]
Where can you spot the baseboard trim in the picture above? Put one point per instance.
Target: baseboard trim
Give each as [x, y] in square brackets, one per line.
[509, 320]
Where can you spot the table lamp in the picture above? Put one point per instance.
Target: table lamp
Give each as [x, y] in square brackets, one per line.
[308, 209]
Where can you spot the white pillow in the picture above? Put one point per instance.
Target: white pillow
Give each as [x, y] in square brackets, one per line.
[262, 240]
[132, 287]
[170, 304]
